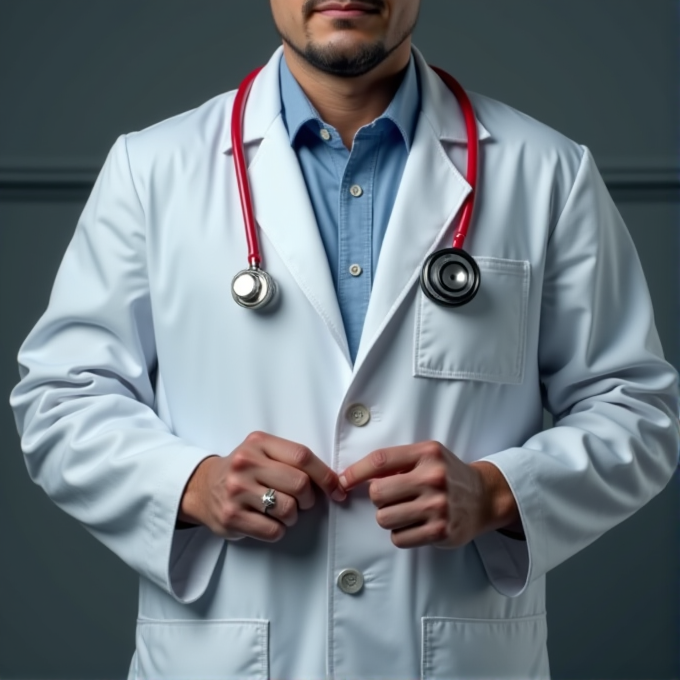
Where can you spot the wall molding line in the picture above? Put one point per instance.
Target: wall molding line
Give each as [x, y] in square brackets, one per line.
[50, 179]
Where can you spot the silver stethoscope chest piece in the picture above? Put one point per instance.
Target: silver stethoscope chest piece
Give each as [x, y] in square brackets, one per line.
[253, 288]
[450, 277]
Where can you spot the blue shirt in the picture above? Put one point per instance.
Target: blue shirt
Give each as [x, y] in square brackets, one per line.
[352, 193]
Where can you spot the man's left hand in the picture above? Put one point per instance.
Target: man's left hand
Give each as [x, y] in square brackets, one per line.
[426, 495]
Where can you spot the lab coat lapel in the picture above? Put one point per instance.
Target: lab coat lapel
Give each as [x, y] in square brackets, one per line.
[284, 212]
[430, 195]
[281, 204]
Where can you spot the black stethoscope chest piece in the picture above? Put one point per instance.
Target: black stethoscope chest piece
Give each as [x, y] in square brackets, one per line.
[450, 277]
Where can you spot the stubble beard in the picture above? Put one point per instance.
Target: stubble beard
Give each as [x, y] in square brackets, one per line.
[339, 61]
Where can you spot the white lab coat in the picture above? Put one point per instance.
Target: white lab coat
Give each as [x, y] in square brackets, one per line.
[143, 365]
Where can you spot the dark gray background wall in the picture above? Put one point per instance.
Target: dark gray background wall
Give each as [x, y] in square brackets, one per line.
[74, 74]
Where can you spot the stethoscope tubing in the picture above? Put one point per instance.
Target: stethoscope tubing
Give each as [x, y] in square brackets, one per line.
[254, 288]
[237, 117]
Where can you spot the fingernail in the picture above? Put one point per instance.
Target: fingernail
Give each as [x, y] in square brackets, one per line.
[338, 495]
[343, 481]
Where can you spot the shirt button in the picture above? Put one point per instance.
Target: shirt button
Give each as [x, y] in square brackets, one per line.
[350, 581]
[325, 135]
[356, 190]
[358, 415]
[355, 270]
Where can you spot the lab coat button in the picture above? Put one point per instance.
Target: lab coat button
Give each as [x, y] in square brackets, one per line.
[350, 581]
[356, 190]
[358, 415]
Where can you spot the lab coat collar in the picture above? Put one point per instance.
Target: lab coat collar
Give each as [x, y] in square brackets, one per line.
[263, 105]
[440, 106]
[437, 103]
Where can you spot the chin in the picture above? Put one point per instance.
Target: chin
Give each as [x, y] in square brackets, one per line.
[346, 43]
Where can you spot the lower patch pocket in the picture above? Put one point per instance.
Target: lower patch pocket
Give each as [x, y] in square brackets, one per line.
[202, 650]
[484, 649]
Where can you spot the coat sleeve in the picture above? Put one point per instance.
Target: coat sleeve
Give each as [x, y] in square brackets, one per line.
[614, 444]
[85, 403]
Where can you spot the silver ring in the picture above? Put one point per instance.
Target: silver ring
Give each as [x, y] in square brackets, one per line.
[268, 500]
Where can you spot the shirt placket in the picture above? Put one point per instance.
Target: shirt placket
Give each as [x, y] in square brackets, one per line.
[355, 235]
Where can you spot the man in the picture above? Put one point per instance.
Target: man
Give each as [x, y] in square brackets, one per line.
[354, 483]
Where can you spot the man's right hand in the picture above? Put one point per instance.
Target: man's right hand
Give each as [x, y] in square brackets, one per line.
[225, 493]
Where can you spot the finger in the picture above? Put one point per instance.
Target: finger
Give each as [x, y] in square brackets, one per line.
[260, 526]
[285, 510]
[430, 533]
[300, 457]
[381, 463]
[289, 480]
[394, 517]
[398, 488]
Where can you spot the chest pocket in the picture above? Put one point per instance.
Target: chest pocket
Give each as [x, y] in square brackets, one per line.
[483, 340]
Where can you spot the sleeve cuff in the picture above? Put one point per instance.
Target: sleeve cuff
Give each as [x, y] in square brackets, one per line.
[181, 561]
[506, 562]
[509, 562]
[193, 556]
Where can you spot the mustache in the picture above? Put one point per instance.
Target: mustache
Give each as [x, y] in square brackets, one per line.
[310, 6]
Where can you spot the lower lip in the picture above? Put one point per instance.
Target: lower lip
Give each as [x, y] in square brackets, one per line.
[345, 13]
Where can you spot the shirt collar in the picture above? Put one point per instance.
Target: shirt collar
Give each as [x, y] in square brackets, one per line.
[403, 110]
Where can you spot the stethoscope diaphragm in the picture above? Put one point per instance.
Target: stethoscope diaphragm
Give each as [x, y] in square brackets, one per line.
[450, 277]
[253, 288]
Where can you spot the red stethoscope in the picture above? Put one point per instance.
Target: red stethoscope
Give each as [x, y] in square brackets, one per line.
[449, 277]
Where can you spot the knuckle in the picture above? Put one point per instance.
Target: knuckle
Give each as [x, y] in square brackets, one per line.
[288, 509]
[375, 491]
[432, 449]
[302, 456]
[382, 518]
[306, 501]
[438, 532]
[397, 540]
[274, 532]
[234, 486]
[378, 458]
[435, 478]
[240, 460]
[438, 506]
[300, 485]
[256, 437]
[329, 481]
[227, 515]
